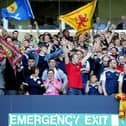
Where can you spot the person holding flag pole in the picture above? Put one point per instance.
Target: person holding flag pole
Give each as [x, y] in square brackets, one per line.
[9, 57]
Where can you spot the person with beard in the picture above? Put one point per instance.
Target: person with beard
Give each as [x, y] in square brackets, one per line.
[24, 71]
[109, 79]
[29, 69]
[15, 38]
[104, 65]
[114, 52]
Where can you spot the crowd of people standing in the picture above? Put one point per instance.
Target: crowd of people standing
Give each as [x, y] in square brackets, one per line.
[88, 64]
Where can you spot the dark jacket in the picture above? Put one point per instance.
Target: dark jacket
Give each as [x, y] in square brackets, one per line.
[9, 76]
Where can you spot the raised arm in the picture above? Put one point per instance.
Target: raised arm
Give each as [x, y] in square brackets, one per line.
[37, 27]
[113, 30]
[66, 55]
[3, 32]
[53, 55]
[87, 88]
[107, 27]
[66, 51]
[99, 88]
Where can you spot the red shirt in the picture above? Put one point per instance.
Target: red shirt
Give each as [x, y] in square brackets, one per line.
[120, 68]
[74, 75]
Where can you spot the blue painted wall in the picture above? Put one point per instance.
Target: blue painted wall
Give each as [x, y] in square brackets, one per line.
[56, 104]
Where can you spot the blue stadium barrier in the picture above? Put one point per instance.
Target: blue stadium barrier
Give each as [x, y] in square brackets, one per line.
[56, 104]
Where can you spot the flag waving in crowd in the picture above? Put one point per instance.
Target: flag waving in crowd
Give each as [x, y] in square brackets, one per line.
[10, 51]
[80, 19]
[18, 10]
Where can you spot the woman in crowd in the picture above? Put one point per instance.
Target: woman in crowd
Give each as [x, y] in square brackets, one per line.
[52, 85]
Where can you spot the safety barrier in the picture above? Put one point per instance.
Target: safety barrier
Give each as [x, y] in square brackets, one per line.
[56, 104]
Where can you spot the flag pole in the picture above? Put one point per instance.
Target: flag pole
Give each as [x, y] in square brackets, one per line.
[60, 27]
[110, 8]
[5, 23]
[61, 23]
[59, 7]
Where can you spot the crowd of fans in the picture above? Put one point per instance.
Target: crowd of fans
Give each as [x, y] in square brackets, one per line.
[89, 64]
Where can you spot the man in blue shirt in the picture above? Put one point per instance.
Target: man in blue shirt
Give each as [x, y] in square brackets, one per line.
[110, 79]
[42, 58]
[99, 25]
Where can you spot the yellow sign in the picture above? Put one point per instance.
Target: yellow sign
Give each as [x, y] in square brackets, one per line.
[122, 106]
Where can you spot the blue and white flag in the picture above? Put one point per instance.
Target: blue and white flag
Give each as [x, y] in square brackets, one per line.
[18, 10]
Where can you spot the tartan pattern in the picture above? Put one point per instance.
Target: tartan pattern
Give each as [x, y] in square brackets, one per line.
[13, 55]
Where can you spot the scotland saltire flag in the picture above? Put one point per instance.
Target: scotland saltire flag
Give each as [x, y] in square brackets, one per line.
[18, 10]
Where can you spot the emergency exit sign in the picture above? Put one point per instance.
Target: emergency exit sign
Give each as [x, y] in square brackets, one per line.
[56, 119]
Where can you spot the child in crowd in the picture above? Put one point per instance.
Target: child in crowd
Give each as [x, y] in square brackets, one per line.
[52, 85]
[33, 85]
[93, 86]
